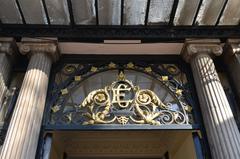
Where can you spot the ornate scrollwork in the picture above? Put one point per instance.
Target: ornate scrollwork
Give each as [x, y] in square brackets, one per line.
[97, 115]
[124, 103]
[164, 97]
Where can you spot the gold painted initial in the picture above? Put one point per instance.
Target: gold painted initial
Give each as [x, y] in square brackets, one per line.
[118, 95]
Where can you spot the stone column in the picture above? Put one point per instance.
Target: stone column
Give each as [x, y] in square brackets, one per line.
[221, 128]
[23, 133]
[232, 61]
[7, 49]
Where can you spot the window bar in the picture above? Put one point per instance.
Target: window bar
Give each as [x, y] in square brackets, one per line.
[221, 13]
[196, 14]
[96, 10]
[147, 12]
[173, 12]
[46, 12]
[70, 12]
[21, 12]
[122, 10]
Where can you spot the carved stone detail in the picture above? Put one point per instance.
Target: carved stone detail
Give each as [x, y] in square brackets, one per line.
[23, 132]
[232, 61]
[192, 49]
[32, 46]
[231, 48]
[26, 120]
[223, 134]
[7, 50]
[7, 46]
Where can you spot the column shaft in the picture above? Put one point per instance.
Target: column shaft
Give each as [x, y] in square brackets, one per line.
[7, 51]
[222, 131]
[232, 61]
[5, 67]
[22, 136]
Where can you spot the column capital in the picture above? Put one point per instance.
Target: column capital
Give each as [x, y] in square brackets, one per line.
[30, 46]
[8, 46]
[232, 47]
[194, 47]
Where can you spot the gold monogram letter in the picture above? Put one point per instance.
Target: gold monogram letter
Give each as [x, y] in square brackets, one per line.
[119, 94]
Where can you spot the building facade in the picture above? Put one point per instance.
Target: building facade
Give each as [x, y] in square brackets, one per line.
[119, 79]
[122, 106]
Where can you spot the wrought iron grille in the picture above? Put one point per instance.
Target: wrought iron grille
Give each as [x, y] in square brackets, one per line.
[123, 94]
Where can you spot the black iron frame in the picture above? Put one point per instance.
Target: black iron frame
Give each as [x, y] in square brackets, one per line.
[98, 33]
[101, 33]
[200, 144]
[85, 59]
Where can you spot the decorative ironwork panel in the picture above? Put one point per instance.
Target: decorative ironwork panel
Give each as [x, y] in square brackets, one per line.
[120, 94]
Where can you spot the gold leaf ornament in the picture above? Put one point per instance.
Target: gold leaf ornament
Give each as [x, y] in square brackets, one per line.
[64, 91]
[121, 76]
[130, 65]
[94, 69]
[164, 78]
[55, 108]
[77, 78]
[148, 69]
[179, 91]
[111, 65]
[188, 108]
[122, 120]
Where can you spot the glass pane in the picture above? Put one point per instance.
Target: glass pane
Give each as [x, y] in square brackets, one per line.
[186, 12]
[209, 12]
[134, 12]
[84, 11]
[159, 11]
[33, 11]
[9, 12]
[109, 12]
[58, 11]
[231, 14]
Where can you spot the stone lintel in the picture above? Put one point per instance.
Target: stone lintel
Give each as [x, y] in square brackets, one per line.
[8, 46]
[193, 47]
[48, 46]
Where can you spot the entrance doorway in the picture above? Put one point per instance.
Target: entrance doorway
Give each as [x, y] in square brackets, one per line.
[121, 110]
[122, 145]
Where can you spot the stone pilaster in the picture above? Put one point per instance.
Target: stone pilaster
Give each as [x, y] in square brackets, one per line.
[23, 133]
[7, 49]
[221, 128]
[232, 61]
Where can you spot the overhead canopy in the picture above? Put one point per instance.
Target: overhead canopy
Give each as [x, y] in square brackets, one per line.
[66, 14]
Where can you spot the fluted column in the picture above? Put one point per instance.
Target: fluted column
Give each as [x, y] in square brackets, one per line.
[7, 50]
[221, 128]
[232, 61]
[23, 133]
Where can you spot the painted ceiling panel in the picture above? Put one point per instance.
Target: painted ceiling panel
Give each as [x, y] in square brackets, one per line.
[33, 11]
[231, 14]
[159, 11]
[58, 11]
[84, 12]
[9, 12]
[109, 12]
[134, 12]
[186, 12]
[209, 12]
